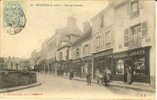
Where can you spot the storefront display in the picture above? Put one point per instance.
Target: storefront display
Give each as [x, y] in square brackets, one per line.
[137, 60]
[102, 60]
[141, 67]
[86, 66]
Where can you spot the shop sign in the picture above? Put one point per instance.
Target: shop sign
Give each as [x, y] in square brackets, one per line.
[87, 58]
[107, 52]
[137, 52]
[120, 55]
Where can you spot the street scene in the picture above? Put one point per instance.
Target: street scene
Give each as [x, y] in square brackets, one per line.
[78, 88]
[70, 50]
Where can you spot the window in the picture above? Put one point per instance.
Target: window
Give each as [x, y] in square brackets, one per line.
[134, 8]
[85, 50]
[67, 56]
[144, 29]
[97, 41]
[77, 52]
[108, 39]
[136, 35]
[60, 55]
[139, 66]
[126, 38]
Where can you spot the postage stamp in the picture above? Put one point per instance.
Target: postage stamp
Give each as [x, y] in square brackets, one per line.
[14, 18]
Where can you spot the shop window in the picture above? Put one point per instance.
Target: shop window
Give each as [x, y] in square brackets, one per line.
[86, 68]
[139, 66]
[134, 8]
[120, 67]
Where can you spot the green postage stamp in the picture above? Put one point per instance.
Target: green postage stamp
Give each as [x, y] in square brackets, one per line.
[13, 17]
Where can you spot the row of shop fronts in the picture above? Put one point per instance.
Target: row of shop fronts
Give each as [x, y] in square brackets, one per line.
[137, 59]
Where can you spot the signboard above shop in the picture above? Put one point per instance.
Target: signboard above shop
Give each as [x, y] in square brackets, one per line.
[104, 53]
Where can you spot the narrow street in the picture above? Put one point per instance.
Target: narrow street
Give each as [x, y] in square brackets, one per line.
[63, 87]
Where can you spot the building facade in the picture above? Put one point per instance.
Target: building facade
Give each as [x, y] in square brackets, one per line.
[102, 33]
[81, 52]
[134, 39]
[123, 35]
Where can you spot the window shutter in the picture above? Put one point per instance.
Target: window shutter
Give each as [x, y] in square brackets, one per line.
[129, 37]
[144, 29]
[126, 38]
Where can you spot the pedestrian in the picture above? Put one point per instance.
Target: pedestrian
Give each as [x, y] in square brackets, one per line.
[130, 75]
[71, 75]
[88, 77]
[107, 76]
[97, 76]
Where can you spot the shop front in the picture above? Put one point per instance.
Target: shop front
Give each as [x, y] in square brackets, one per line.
[140, 63]
[102, 60]
[119, 62]
[86, 66]
[76, 67]
[137, 59]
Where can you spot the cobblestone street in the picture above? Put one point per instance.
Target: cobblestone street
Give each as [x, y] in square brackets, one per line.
[63, 87]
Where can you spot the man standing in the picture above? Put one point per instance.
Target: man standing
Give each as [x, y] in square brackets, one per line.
[129, 75]
[88, 77]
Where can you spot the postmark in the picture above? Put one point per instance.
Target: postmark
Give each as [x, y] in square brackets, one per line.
[14, 17]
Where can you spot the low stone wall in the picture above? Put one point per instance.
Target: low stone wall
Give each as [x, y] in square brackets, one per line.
[13, 78]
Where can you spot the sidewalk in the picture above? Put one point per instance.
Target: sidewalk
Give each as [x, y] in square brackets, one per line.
[19, 87]
[137, 86]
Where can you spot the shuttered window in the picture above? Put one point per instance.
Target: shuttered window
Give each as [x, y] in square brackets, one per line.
[133, 36]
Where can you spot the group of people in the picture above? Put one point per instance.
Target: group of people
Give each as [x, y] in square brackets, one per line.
[103, 78]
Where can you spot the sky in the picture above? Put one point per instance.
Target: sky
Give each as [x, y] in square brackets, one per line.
[42, 21]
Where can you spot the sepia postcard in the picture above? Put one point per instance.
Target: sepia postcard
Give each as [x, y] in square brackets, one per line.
[77, 49]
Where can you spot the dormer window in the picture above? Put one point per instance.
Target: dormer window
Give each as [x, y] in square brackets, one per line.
[134, 8]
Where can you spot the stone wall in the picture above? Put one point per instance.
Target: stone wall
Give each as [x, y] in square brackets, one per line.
[14, 78]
